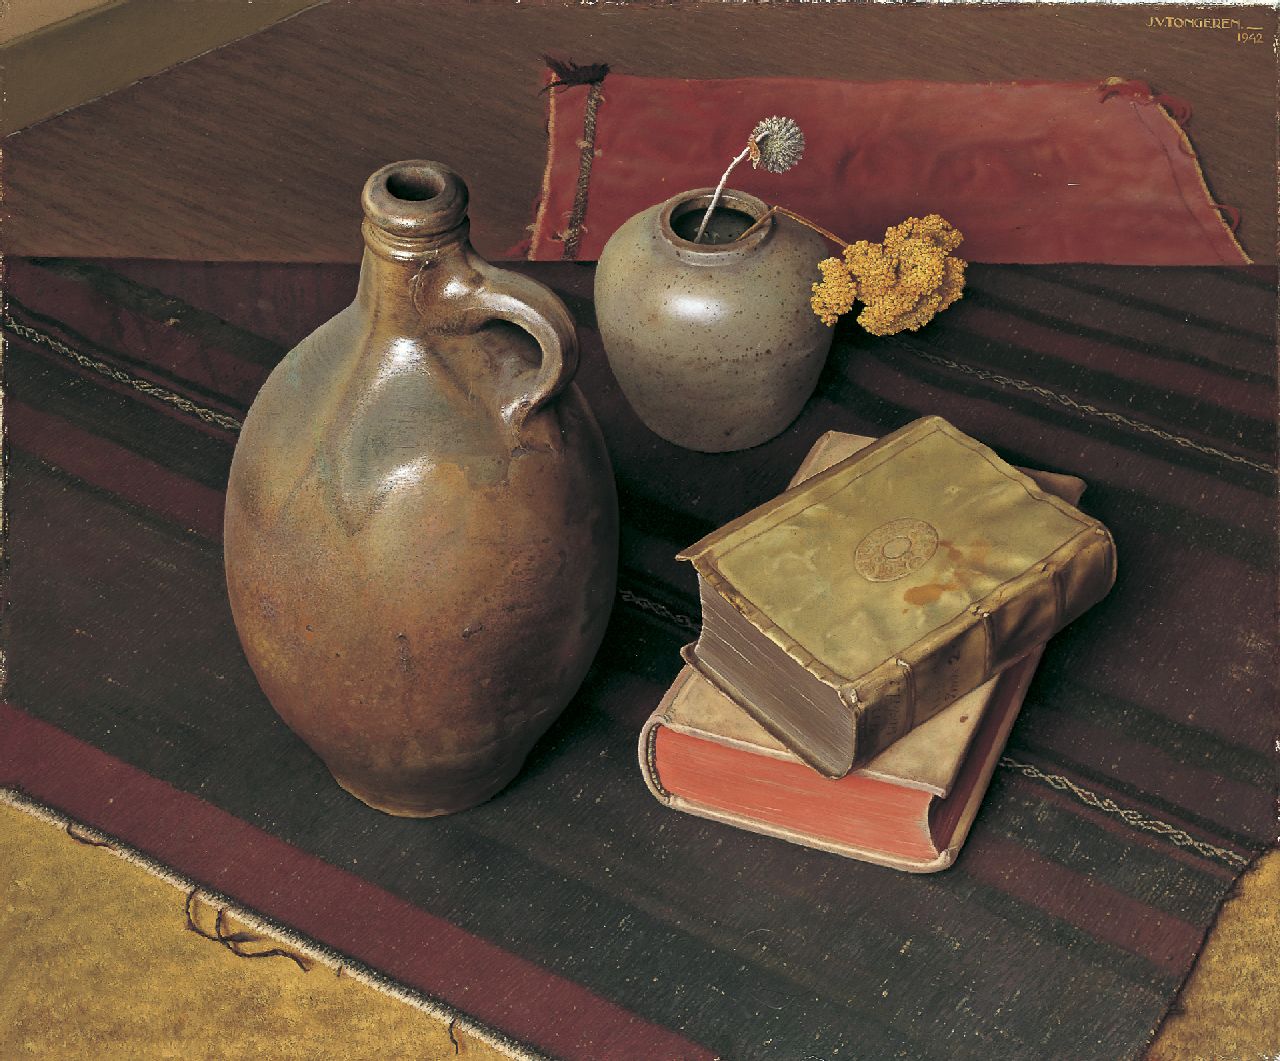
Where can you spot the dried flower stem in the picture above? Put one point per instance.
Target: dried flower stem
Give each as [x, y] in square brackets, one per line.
[795, 217]
[715, 199]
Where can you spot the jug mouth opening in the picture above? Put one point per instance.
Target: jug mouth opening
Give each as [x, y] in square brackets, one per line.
[414, 185]
[415, 199]
[680, 216]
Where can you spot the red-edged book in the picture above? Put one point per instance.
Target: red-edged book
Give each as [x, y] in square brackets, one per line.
[909, 808]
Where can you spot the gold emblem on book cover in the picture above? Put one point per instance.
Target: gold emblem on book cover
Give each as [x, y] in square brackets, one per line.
[895, 549]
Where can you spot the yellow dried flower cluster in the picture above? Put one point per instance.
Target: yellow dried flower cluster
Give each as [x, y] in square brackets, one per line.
[836, 292]
[903, 282]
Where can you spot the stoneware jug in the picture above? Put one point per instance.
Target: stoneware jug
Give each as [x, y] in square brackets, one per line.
[714, 344]
[421, 522]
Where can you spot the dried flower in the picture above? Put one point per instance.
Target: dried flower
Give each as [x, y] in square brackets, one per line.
[775, 143]
[908, 279]
[836, 292]
[903, 282]
[779, 144]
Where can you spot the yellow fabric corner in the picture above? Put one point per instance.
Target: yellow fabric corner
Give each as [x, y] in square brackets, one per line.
[1229, 1005]
[96, 961]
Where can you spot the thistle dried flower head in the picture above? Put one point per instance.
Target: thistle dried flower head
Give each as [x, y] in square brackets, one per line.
[776, 144]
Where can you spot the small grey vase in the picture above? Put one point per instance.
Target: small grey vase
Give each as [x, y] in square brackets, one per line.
[714, 344]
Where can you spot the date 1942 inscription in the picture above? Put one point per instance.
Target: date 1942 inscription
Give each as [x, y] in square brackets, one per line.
[1243, 34]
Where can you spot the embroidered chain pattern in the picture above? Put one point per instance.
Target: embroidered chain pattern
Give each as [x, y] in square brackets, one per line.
[1086, 408]
[209, 416]
[660, 610]
[1131, 817]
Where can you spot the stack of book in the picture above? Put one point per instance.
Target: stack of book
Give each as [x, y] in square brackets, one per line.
[868, 637]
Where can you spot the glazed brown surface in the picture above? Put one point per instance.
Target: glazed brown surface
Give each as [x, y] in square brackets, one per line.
[416, 496]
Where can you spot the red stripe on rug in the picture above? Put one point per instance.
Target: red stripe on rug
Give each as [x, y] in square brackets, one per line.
[1127, 364]
[116, 469]
[1165, 940]
[334, 907]
[170, 346]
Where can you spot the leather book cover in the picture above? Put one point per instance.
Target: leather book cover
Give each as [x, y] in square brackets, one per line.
[901, 578]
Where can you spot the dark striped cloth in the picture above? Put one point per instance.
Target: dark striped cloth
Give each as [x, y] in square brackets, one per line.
[573, 913]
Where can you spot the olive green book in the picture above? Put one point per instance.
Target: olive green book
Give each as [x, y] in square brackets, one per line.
[858, 604]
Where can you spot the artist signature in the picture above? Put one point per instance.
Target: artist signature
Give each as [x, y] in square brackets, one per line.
[1244, 34]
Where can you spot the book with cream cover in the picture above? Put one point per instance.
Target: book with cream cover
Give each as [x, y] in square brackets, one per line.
[910, 808]
[859, 603]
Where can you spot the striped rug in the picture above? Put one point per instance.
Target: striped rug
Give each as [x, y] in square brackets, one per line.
[573, 916]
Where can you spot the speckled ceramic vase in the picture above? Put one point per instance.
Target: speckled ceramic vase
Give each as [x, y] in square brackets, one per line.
[714, 344]
[421, 527]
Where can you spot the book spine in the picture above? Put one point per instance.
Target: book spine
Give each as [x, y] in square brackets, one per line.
[647, 749]
[982, 641]
[1029, 610]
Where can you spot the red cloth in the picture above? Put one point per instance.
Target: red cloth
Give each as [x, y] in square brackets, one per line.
[1032, 172]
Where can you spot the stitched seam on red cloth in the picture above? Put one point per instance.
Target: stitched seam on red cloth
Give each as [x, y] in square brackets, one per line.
[581, 191]
[546, 188]
[1148, 115]
[530, 1003]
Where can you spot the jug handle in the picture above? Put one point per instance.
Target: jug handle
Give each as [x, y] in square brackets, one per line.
[534, 307]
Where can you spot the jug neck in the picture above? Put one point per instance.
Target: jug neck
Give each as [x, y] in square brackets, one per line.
[416, 235]
[415, 268]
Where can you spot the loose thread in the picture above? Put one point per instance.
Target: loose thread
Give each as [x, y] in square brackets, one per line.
[236, 941]
[1233, 215]
[81, 838]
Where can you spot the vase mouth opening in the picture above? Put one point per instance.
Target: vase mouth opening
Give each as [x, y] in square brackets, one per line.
[415, 199]
[727, 232]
